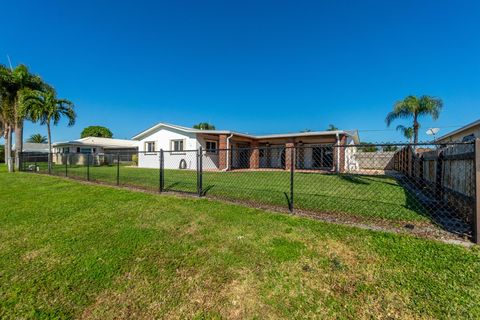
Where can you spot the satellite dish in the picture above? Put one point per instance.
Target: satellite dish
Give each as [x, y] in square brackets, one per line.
[432, 131]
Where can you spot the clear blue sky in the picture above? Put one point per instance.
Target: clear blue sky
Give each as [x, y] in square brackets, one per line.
[251, 66]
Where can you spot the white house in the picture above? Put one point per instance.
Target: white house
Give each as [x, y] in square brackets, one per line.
[226, 150]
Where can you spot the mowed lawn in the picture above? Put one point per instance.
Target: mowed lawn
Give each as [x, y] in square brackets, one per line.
[70, 250]
[359, 195]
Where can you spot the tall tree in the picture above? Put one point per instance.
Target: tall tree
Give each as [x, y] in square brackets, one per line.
[406, 131]
[331, 127]
[6, 113]
[413, 107]
[96, 131]
[46, 108]
[204, 126]
[37, 138]
[15, 82]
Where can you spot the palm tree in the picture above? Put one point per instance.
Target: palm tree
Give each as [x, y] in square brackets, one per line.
[414, 107]
[331, 127]
[45, 107]
[14, 82]
[6, 113]
[406, 131]
[204, 126]
[37, 138]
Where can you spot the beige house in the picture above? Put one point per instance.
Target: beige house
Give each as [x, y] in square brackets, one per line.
[465, 133]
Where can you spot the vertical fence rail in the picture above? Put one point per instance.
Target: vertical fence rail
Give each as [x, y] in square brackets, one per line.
[200, 171]
[476, 220]
[49, 163]
[160, 171]
[88, 167]
[66, 165]
[118, 169]
[293, 161]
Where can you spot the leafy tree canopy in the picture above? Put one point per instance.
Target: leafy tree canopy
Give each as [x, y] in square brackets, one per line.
[368, 147]
[96, 131]
[204, 126]
[390, 148]
[331, 127]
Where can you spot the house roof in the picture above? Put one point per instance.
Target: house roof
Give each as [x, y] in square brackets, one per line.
[352, 133]
[466, 127]
[100, 142]
[33, 147]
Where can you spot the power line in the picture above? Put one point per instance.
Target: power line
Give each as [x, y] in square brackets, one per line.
[380, 130]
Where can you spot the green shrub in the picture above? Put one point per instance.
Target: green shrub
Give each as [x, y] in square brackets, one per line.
[135, 159]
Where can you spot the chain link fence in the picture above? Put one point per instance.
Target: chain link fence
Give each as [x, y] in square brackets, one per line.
[414, 186]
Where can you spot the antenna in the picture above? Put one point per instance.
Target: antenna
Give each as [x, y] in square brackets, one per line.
[9, 62]
[433, 132]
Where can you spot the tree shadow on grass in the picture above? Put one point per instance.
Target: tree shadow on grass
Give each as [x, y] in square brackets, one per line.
[353, 179]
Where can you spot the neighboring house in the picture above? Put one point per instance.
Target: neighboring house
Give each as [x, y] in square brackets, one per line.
[33, 148]
[96, 145]
[226, 150]
[465, 133]
[95, 150]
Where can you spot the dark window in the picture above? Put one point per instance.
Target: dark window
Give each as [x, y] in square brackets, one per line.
[211, 146]
[177, 145]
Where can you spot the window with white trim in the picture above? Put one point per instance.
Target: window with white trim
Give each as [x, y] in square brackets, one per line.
[176, 145]
[150, 146]
[211, 146]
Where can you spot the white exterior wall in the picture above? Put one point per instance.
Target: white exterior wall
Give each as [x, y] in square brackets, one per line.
[172, 160]
[73, 148]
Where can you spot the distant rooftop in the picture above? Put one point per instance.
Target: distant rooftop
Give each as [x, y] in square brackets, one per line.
[33, 147]
[466, 127]
[100, 142]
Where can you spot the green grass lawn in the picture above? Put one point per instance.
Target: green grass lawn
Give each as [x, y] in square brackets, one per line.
[69, 250]
[366, 196]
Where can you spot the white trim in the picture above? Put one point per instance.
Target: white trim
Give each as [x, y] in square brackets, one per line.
[215, 150]
[145, 144]
[172, 144]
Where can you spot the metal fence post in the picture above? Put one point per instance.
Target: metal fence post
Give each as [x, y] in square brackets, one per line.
[292, 170]
[118, 169]
[439, 176]
[161, 172]
[200, 171]
[20, 161]
[49, 163]
[88, 166]
[476, 217]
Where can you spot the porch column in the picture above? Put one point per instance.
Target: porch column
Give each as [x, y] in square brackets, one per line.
[288, 154]
[254, 155]
[223, 153]
[339, 154]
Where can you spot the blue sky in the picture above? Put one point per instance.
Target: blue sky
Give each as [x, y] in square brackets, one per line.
[252, 66]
